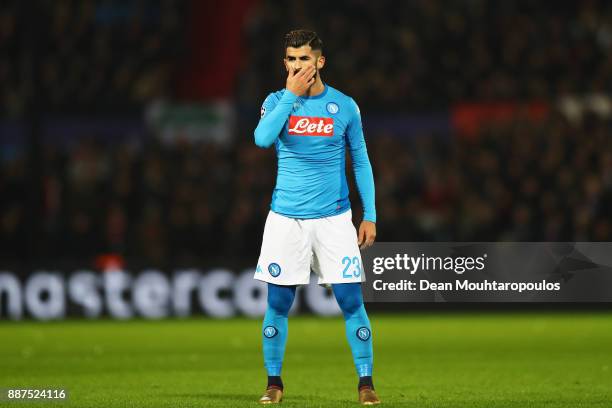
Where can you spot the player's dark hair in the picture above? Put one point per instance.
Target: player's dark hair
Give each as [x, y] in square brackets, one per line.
[298, 38]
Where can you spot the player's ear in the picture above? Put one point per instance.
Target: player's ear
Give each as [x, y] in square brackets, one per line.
[320, 61]
[286, 65]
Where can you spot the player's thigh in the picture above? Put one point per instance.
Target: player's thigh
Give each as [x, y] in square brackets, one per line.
[335, 248]
[285, 252]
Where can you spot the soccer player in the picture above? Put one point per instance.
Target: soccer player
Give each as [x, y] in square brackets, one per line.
[310, 222]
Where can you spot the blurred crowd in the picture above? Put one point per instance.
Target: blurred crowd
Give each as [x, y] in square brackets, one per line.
[429, 53]
[185, 203]
[519, 182]
[87, 56]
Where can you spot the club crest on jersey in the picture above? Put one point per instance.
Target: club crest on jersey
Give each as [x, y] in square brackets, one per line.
[274, 269]
[332, 108]
[270, 331]
[311, 126]
[363, 333]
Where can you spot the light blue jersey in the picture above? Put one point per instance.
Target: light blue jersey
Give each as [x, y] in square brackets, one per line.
[311, 135]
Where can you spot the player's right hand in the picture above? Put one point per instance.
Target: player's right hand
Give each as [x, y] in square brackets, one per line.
[298, 83]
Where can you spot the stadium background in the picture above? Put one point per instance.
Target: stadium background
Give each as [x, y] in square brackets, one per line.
[131, 187]
[126, 130]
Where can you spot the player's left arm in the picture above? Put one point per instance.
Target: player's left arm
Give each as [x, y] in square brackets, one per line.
[364, 177]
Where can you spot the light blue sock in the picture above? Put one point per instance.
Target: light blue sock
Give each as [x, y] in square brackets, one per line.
[358, 330]
[280, 299]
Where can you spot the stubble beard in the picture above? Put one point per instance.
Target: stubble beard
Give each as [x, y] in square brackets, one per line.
[315, 77]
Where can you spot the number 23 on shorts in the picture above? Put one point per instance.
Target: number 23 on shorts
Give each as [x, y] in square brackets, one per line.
[352, 267]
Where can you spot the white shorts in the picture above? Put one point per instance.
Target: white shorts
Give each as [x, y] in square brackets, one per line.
[292, 246]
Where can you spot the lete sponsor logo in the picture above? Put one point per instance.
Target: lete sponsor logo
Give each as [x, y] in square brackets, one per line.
[311, 126]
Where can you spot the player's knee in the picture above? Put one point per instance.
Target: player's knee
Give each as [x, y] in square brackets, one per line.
[280, 298]
[348, 296]
[349, 303]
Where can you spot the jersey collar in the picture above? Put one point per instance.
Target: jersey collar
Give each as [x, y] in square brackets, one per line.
[319, 96]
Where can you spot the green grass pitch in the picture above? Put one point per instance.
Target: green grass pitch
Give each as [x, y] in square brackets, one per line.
[428, 360]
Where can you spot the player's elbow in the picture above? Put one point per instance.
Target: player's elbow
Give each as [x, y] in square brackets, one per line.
[359, 157]
[361, 163]
[261, 139]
